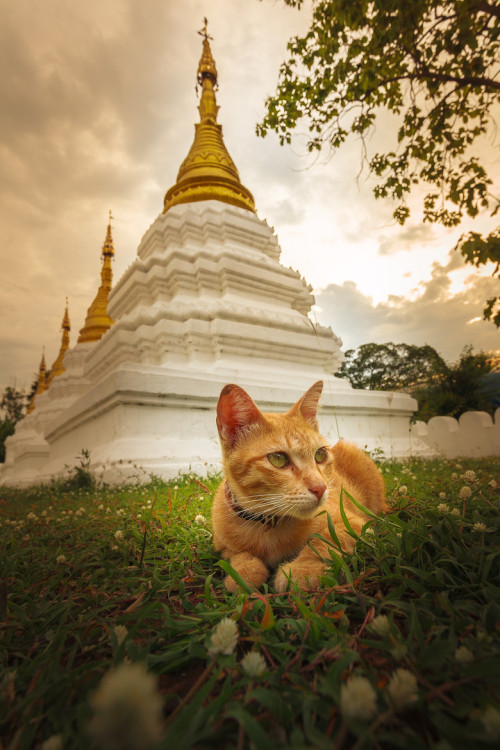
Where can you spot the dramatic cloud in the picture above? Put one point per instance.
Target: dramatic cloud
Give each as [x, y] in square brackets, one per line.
[446, 321]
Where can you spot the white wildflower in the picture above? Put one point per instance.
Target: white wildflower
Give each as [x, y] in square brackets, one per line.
[114, 548]
[119, 534]
[358, 699]
[254, 664]
[459, 466]
[176, 487]
[100, 507]
[442, 508]
[442, 495]
[479, 526]
[402, 689]
[455, 512]
[53, 743]
[121, 633]
[464, 493]
[369, 530]
[224, 638]
[454, 475]
[108, 510]
[403, 490]
[463, 655]
[493, 484]
[200, 520]
[491, 722]
[381, 625]
[61, 559]
[44, 512]
[469, 476]
[127, 710]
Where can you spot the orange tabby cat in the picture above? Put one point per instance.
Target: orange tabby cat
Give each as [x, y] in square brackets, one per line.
[280, 474]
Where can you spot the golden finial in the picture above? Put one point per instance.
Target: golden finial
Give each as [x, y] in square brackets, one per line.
[208, 172]
[58, 366]
[98, 321]
[41, 385]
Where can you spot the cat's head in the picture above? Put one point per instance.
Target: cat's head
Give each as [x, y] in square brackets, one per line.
[276, 464]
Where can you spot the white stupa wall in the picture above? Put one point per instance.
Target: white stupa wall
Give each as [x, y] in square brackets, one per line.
[205, 303]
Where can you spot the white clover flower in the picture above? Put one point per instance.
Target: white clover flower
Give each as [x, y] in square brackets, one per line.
[119, 534]
[381, 625]
[454, 475]
[358, 699]
[114, 547]
[108, 510]
[224, 638]
[44, 512]
[455, 512]
[53, 743]
[121, 633]
[464, 493]
[176, 487]
[442, 508]
[254, 664]
[127, 710]
[463, 655]
[493, 484]
[491, 722]
[479, 526]
[100, 507]
[442, 495]
[402, 689]
[61, 559]
[403, 490]
[469, 476]
[459, 466]
[200, 520]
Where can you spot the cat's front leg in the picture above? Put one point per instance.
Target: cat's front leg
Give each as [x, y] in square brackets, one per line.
[250, 568]
[305, 570]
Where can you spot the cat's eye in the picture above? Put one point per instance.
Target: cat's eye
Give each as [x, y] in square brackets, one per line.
[279, 460]
[320, 455]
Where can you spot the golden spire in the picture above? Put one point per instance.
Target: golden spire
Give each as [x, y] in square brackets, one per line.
[208, 172]
[98, 321]
[58, 367]
[41, 385]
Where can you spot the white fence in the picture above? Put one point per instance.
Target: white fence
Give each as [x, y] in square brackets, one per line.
[474, 434]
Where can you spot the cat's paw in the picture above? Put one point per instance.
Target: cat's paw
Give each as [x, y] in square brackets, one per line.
[251, 569]
[304, 580]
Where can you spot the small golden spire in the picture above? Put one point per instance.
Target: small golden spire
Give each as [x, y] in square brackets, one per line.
[41, 386]
[98, 321]
[58, 366]
[208, 172]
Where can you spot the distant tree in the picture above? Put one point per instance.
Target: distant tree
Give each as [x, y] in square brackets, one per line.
[392, 367]
[434, 64]
[12, 405]
[465, 388]
[441, 389]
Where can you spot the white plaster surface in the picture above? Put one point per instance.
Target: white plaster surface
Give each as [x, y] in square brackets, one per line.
[205, 303]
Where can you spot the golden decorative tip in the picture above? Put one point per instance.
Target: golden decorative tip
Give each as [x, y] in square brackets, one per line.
[208, 172]
[41, 385]
[58, 366]
[98, 321]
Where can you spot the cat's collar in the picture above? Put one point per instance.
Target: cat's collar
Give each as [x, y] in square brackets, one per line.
[269, 521]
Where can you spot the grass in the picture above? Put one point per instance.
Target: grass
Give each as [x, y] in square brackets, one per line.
[75, 563]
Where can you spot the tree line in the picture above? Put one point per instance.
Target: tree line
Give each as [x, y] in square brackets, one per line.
[472, 383]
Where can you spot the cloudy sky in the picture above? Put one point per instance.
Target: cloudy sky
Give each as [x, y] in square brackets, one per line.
[98, 112]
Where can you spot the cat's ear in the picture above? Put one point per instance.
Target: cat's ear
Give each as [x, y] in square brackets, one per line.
[307, 406]
[235, 411]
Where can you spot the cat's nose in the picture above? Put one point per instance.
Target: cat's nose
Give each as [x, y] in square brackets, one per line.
[318, 490]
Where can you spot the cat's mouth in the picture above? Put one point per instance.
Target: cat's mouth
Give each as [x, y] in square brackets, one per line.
[307, 507]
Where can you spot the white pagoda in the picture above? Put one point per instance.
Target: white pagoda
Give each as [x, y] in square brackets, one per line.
[206, 302]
